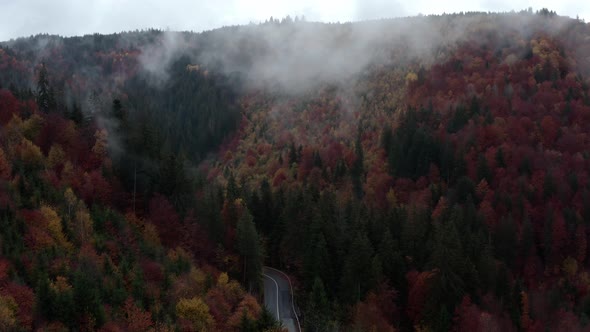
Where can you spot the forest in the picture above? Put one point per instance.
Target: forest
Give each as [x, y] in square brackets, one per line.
[433, 176]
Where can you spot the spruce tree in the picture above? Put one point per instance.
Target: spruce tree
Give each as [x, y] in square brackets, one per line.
[318, 308]
[45, 98]
[251, 251]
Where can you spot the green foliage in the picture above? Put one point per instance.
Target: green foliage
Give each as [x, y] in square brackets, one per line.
[318, 308]
[250, 249]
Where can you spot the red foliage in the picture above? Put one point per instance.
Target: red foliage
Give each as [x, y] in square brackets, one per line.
[164, 217]
[8, 106]
[25, 298]
[467, 316]
[136, 319]
[419, 287]
[219, 307]
[152, 271]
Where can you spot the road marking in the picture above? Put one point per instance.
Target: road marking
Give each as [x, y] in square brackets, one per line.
[277, 286]
[292, 298]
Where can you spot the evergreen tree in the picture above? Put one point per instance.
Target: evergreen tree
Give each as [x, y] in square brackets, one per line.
[250, 249]
[505, 240]
[87, 295]
[451, 267]
[266, 321]
[45, 98]
[357, 269]
[317, 309]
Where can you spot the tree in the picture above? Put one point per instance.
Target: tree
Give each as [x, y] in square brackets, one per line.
[505, 240]
[453, 269]
[317, 308]
[247, 312]
[137, 320]
[357, 170]
[45, 97]
[376, 312]
[267, 322]
[54, 226]
[357, 268]
[89, 309]
[8, 309]
[196, 312]
[250, 249]
[5, 167]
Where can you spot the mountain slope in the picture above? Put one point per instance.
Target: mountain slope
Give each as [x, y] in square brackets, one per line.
[425, 173]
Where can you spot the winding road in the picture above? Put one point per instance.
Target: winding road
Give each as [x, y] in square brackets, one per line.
[278, 298]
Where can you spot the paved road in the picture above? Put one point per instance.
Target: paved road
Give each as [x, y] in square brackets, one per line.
[277, 298]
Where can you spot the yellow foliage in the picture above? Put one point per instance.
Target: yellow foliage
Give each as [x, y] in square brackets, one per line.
[32, 126]
[13, 132]
[61, 285]
[30, 154]
[178, 254]
[68, 132]
[411, 77]
[199, 278]
[71, 199]
[54, 227]
[68, 171]
[100, 146]
[56, 156]
[8, 309]
[196, 311]
[83, 223]
[231, 289]
[222, 280]
[570, 267]
[150, 235]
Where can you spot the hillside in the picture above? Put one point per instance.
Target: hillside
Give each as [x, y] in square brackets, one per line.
[426, 173]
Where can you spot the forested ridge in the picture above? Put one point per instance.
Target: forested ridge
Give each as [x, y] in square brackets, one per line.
[426, 173]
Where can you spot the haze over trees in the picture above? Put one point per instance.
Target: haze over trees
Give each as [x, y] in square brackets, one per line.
[425, 174]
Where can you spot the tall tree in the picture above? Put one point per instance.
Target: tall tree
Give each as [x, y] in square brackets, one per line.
[45, 97]
[318, 309]
[250, 249]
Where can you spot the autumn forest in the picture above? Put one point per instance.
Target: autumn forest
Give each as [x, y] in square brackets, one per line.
[426, 173]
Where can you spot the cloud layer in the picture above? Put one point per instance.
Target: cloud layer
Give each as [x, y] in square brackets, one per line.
[21, 18]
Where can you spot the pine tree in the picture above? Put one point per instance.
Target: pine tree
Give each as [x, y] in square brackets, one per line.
[449, 261]
[357, 268]
[266, 321]
[318, 308]
[45, 98]
[250, 249]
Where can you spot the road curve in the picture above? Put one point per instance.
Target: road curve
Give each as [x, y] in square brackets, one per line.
[278, 298]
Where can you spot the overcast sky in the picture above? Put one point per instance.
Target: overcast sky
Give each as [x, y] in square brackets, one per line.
[20, 18]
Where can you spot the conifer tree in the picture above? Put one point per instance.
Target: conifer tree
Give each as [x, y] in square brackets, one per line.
[317, 308]
[45, 98]
[251, 251]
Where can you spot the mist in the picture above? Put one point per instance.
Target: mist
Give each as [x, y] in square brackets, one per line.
[295, 56]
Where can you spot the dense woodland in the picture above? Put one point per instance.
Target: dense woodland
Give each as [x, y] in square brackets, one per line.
[446, 189]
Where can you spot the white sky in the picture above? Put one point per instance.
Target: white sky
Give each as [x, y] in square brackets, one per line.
[20, 18]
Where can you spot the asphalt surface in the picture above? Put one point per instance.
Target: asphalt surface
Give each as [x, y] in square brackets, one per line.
[277, 298]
